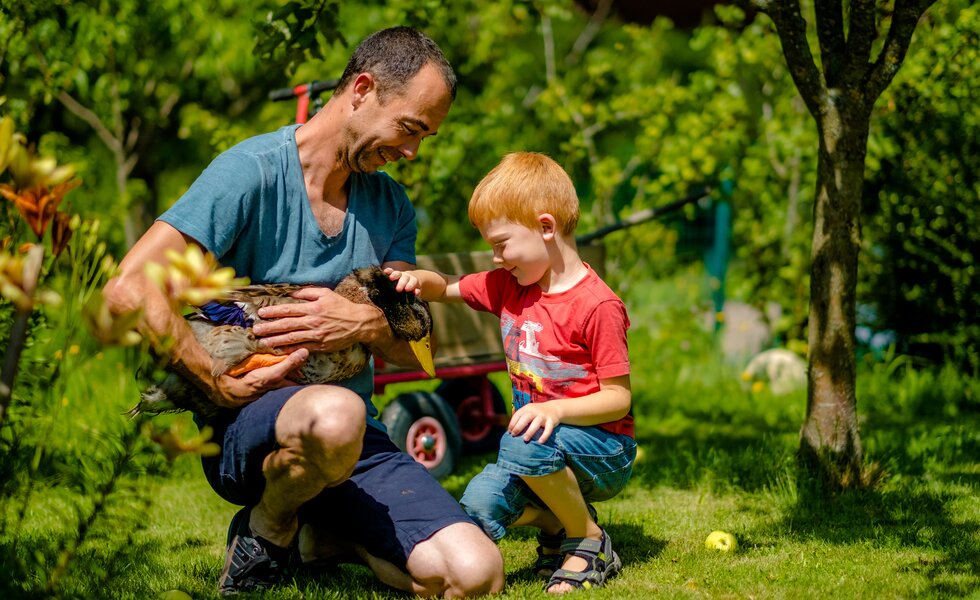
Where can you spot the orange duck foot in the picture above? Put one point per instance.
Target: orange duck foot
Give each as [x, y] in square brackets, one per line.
[255, 361]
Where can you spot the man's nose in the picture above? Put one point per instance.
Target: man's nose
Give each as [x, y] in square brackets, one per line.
[409, 151]
[497, 258]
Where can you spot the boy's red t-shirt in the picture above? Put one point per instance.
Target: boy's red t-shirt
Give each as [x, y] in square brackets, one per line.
[557, 345]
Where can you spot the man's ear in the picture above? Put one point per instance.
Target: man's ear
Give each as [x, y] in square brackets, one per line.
[363, 86]
[549, 226]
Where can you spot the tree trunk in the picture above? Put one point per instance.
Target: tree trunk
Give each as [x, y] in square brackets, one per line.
[829, 440]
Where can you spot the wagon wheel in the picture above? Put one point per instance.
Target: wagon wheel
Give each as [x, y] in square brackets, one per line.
[481, 431]
[424, 426]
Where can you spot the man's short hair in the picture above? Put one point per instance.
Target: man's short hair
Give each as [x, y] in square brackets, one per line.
[522, 187]
[394, 56]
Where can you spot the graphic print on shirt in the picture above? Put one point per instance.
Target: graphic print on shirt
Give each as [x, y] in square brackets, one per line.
[530, 369]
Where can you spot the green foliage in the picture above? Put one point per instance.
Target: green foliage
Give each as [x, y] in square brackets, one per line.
[295, 31]
[97, 461]
[131, 80]
[923, 226]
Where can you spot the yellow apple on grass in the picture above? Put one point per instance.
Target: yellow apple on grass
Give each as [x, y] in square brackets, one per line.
[721, 541]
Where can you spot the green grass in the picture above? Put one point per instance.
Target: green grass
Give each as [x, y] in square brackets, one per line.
[714, 456]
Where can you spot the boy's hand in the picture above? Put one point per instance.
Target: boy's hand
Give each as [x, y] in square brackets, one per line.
[531, 417]
[406, 281]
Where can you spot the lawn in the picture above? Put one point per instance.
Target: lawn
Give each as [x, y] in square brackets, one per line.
[715, 455]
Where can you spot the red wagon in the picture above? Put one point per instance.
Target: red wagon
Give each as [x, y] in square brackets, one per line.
[466, 412]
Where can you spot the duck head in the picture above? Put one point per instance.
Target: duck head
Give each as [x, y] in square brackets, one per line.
[408, 316]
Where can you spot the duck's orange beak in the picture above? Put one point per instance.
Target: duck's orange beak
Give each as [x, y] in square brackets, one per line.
[423, 352]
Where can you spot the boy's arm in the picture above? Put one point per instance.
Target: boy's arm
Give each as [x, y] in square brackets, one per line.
[611, 403]
[430, 286]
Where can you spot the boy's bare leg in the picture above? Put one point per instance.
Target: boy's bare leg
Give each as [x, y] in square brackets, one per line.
[560, 492]
[542, 518]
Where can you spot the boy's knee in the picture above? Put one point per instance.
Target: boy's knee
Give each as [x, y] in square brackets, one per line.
[487, 502]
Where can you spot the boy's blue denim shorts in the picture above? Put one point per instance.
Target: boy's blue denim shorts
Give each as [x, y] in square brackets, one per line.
[601, 461]
[388, 505]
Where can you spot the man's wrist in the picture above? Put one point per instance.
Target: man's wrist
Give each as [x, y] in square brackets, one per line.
[375, 325]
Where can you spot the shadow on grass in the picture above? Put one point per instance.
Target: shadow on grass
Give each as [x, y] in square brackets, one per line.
[931, 468]
[720, 458]
[904, 520]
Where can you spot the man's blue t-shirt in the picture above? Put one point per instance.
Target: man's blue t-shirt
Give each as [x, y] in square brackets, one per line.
[250, 209]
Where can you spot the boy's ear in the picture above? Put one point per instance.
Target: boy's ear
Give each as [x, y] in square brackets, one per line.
[549, 226]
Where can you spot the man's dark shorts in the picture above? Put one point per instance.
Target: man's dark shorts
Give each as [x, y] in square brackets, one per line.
[389, 504]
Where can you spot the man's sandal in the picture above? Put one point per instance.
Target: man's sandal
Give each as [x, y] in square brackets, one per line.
[550, 556]
[603, 563]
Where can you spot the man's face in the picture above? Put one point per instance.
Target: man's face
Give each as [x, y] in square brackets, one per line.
[380, 133]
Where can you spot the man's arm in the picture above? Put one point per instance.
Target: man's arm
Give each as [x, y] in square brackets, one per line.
[131, 289]
[328, 322]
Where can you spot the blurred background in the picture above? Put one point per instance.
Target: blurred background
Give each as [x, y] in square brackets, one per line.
[642, 102]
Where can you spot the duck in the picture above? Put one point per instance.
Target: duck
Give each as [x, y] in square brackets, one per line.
[224, 330]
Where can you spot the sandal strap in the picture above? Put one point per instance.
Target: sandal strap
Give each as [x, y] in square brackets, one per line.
[547, 563]
[579, 579]
[602, 562]
[587, 546]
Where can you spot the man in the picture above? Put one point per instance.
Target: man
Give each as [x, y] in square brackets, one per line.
[306, 204]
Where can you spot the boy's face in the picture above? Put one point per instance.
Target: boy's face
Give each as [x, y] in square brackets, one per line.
[523, 251]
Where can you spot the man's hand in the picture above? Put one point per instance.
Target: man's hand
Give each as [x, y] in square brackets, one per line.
[534, 416]
[324, 323]
[233, 392]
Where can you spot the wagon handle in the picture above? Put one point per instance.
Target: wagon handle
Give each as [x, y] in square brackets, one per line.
[647, 214]
[307, 95]
[312, 88]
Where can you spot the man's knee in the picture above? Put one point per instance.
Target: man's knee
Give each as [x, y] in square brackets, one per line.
[478, 572]
[325, 425]
[459, 561]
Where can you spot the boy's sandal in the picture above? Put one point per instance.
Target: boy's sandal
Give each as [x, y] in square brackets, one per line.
[550, 556]
[549, 562]
[603, 563]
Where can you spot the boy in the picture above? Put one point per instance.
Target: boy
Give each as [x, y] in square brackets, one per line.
[570, 439]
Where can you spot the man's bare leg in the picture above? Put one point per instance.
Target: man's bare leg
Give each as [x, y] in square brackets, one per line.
[320, 431]
[458, 561]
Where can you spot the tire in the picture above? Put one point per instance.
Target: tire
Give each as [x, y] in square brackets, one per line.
[479, 431]
[424, 426]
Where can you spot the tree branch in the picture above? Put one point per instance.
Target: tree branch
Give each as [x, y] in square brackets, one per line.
[92, 119]
[904, 19]
[589, 32]
[791, 28]
[830, 33]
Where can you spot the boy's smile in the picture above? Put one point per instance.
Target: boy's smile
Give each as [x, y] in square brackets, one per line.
[520, 250]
